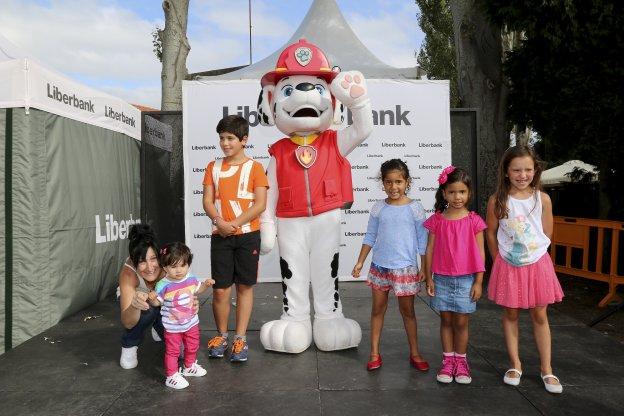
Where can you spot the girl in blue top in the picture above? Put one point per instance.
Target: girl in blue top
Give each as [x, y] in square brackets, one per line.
[395, 234]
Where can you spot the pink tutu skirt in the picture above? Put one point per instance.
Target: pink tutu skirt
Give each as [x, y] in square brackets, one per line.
[524, 286]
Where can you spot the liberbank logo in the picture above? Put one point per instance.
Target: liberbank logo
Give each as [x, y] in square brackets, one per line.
[115, 115]
[113, 230]
[70, 100]
[381, 117]
[357, 211]
[354, 234]
[386, 144]
[384, 117]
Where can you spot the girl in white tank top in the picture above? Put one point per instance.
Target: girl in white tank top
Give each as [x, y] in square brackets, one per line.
[520, 221]
[521, 238]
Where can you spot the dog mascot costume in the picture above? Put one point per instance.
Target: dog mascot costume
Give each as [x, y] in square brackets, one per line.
[310, 180]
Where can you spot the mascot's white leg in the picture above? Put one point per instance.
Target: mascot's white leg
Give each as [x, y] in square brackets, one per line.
[309, 253]
[331, 330]
[292, 333]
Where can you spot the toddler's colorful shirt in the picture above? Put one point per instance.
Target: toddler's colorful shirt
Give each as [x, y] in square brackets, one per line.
[176, 298]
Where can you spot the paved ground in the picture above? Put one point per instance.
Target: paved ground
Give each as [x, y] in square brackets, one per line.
[72, 369]
[581, 303]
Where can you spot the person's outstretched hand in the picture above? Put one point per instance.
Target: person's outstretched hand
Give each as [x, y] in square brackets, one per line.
[139, 301]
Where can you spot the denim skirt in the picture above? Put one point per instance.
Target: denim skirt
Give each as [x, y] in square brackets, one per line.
[452, 294]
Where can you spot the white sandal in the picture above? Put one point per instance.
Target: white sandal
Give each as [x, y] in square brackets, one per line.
[512, 381]
[552, 388]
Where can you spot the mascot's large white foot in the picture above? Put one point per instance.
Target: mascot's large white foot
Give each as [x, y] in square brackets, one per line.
[286, 336]
[336, 334]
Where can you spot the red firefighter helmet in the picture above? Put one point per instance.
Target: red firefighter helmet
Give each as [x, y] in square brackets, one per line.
[301, 58]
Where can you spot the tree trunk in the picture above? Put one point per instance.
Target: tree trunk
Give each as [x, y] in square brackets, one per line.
[481, 85]
[175, 49]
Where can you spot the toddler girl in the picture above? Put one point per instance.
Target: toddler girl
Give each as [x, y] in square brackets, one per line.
[455, 262]
[520, 223]
[175, 292]
[395, 234]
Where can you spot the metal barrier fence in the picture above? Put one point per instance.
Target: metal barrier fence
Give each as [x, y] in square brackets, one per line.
[591, 249]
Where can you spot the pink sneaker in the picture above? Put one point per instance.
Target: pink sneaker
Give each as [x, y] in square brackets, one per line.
[462, 371]
[445, 375]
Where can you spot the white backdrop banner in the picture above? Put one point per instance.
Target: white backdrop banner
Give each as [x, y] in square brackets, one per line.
[412, 123]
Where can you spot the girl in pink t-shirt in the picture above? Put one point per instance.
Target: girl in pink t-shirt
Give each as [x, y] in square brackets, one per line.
[455, 262]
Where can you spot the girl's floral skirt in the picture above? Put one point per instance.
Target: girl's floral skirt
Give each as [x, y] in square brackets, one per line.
[403, 281]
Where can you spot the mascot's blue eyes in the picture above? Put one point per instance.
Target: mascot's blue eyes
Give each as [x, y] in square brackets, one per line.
[320, 88]
[287, 90]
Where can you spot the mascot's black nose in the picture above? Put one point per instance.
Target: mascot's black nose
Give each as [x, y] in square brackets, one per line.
[305, 86]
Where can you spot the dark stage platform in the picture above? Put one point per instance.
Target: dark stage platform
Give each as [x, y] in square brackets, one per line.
[73, 369]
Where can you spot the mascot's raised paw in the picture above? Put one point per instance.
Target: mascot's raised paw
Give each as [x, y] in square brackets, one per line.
[286, 336]
[349, 88]
[336, 334]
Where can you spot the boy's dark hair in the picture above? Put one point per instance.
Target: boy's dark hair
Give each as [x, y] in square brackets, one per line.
[141, 237]
[396, 164]
[175, 253]
[458, 175]
[234, 124]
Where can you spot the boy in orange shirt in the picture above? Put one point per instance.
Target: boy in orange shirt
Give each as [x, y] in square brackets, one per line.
[235, 189]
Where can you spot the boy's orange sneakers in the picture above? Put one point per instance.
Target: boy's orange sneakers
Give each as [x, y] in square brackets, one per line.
[240, 351]
[217, 346]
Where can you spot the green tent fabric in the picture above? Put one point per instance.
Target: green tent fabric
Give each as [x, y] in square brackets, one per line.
[3, 304]
[75, 191]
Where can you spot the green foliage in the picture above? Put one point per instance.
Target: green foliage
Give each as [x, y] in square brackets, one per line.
[157, 43]
[580, 175]
[567, 80]
[437, 52]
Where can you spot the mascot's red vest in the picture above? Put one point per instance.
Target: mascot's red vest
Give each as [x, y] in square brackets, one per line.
[329, 178]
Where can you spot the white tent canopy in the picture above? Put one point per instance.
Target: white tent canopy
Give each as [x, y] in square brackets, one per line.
[325, 27]
[25, 82]
[560, 174]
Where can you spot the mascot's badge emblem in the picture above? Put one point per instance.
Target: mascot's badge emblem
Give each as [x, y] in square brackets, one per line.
[303, 55]
[306, 156]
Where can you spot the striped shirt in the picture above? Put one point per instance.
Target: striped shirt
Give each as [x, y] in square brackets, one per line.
[176, 298]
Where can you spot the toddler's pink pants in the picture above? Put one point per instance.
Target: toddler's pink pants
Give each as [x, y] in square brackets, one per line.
[173, 340]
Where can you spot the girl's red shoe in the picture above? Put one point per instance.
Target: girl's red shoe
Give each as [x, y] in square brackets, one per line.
[374, 364]
[419, 365]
